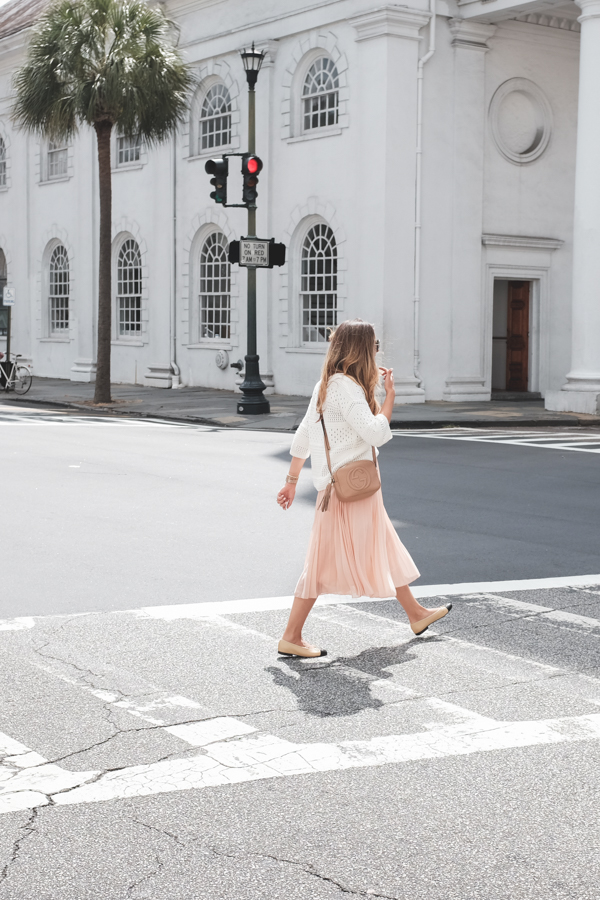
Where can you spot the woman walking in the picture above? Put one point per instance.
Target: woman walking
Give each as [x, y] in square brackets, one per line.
[353, 546]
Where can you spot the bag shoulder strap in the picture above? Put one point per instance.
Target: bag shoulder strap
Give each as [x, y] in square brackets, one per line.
[328, 448]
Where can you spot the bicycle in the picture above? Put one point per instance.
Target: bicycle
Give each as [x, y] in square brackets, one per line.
[14, 375]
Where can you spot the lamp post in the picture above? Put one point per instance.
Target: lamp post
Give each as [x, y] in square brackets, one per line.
[252, 387]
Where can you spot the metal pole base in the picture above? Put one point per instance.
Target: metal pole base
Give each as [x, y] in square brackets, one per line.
[252, 387]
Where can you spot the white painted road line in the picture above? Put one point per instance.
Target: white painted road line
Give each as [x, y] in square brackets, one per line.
[544, 612]
[575, 441]
[210, 609]
[265, 756]
[263, 604]
[19, 624]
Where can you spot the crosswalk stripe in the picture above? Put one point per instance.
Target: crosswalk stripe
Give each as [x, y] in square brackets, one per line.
[233, 751]
[575, 441]
[262, 757]
[544, 612]
[209, 609]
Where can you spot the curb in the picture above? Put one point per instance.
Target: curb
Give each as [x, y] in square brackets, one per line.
[496, 423]
[571, 421]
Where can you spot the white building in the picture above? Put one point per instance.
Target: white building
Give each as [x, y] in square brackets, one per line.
[496, 279]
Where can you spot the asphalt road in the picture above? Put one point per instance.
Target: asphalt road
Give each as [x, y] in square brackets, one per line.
[153, 746]
[116, 514]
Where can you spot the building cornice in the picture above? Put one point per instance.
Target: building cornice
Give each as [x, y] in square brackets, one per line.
[397, 21]
[564, 23]
[518, 240]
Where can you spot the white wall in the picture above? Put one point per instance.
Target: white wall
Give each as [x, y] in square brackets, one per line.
[360, 180]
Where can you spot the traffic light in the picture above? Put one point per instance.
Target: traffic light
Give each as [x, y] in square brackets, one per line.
[251, 166]
[218, 167]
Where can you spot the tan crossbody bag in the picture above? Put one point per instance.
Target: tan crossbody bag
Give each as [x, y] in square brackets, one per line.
[354, 481]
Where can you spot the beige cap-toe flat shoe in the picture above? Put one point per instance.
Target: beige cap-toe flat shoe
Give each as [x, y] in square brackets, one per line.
[287, 649]
[423, 624]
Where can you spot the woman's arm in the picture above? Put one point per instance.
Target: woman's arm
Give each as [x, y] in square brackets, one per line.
[286, 495]
[387, 407]
[374, 430]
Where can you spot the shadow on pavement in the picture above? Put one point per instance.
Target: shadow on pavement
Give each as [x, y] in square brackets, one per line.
[341, 687]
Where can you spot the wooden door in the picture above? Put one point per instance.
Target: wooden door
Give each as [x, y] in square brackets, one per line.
[517, 336]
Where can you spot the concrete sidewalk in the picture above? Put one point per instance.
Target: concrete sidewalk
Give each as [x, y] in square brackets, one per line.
[219, 408]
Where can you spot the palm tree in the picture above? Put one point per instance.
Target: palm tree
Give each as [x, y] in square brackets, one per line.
[104, 63]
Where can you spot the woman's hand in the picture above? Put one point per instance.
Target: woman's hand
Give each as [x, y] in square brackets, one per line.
[286, 495]
[388, 380]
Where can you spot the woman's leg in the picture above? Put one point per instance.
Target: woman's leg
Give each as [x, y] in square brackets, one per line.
[410, 605]
[298, 614]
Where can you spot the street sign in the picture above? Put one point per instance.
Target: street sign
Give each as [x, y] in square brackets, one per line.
[254, 253]
[257, 252]
[9, 296]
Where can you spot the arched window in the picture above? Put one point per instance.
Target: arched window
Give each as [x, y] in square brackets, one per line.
[215, 288]
[57, 160]
[320, 95]
[129, 289]
[215, 119]
[2, 163]
[318, 284]
[3, 308]
[58, 294]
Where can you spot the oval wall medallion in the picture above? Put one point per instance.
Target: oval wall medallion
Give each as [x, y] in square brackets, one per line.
[521, 120]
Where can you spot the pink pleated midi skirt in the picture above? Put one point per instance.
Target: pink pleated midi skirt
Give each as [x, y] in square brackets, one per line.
[354, 550]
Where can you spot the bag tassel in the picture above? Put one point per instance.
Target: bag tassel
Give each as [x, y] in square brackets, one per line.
[324, 504]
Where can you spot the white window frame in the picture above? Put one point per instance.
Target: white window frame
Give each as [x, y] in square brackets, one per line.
[57, 155]
[124, 296]
[211, 303]
[322, 64]
[318, 286]
[59, 292]
[130, 147]
[215, 117]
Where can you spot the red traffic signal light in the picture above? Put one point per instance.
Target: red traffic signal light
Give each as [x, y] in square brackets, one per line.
[251, 167]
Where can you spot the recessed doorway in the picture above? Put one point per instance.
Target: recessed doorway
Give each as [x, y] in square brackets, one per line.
[510, 336]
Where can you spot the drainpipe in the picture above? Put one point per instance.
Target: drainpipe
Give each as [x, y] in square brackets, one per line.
[418, 180]
[175, 378]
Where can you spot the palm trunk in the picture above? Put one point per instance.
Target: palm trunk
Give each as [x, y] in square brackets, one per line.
[102, 391]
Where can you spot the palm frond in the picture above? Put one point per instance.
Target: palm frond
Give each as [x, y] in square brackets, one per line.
[102, 60]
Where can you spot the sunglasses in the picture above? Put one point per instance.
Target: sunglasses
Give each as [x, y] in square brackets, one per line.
[376, 346]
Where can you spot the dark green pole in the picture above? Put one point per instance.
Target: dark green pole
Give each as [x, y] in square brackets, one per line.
[252, 387]
[8, 340]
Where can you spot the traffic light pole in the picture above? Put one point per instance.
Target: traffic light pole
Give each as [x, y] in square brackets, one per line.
[252, 387]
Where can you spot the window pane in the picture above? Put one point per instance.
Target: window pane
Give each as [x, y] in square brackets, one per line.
[129, 288]
[320, 93]
[215, 288]
[57, 160]
[318, 284]
[59, 290]
[215, 119]
[128, 150]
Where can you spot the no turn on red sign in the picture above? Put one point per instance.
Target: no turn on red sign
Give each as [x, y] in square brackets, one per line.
[254, 253]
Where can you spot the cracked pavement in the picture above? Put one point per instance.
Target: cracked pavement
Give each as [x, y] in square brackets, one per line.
[145, 756]
[357, 825]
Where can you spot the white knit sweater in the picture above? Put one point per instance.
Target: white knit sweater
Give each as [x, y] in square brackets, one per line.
[351, 427]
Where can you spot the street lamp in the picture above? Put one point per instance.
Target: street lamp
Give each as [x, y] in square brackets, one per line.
[252, 387]
[253, 60]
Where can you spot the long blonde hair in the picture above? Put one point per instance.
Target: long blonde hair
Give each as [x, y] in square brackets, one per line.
[352, 352]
